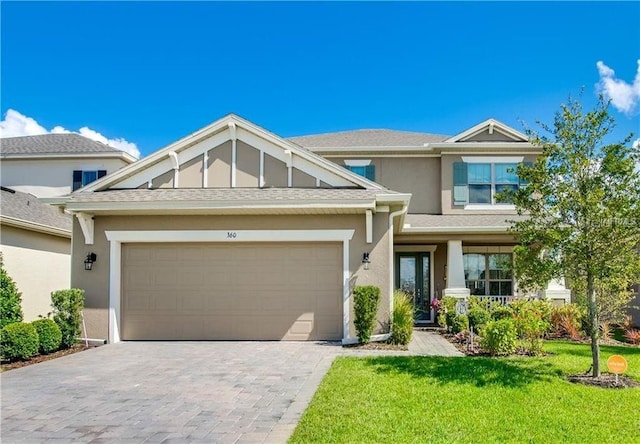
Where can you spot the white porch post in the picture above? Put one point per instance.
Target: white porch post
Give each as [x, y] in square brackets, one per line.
[556, 291]
[455, 271]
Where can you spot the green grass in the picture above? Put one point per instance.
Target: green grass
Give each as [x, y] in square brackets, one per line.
[437, 399]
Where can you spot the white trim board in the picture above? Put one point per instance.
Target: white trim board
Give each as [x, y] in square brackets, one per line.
[117, 238]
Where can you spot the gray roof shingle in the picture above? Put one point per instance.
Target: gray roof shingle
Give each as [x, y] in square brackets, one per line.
[27, 207]
[286, 195]
[52, 144]
[367, 138]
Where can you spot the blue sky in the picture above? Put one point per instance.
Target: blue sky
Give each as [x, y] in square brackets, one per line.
[150, 73]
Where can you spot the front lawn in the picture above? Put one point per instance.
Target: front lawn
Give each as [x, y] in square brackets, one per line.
[472, 399]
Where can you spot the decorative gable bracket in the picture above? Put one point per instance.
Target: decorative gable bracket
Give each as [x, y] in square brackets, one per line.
[86, 224]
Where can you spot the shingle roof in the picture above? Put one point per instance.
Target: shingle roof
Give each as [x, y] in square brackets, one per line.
[247, 195]
[460, 220]
[28, 208]
[52, 144]
[367, 137]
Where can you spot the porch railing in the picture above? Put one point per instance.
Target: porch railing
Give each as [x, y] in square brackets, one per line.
[502, 300]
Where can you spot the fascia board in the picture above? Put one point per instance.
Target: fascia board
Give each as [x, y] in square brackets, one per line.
[456, 230]
[446, 146]
[204, 205]
[34, 226]
[356, 149]
[402, 198]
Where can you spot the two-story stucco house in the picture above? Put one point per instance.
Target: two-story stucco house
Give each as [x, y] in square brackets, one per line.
[236, 233]
[35, 238]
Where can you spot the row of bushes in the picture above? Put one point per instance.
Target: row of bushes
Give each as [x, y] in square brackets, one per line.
[504, 328]
[20, 340]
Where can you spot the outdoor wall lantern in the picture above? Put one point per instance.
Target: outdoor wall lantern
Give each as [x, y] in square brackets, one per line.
[88, 262]
[365, 261]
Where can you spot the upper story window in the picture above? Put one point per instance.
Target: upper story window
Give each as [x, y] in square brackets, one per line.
[363, 168]
[484, 183]
[82, 178]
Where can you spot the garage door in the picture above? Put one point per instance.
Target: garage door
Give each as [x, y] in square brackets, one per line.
[285, 291]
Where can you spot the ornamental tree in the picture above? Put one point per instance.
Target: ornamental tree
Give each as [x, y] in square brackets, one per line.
[582, 204]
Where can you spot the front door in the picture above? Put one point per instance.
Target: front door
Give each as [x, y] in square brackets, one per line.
[414, 278]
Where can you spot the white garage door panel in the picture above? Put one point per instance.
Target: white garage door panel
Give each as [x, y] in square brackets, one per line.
[288, 291]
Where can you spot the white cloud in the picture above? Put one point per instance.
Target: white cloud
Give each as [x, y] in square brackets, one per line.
[16, 124]
[624, 96]
[636, 143]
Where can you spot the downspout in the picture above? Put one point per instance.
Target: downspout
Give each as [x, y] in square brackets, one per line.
[392, 216]
[385, 336]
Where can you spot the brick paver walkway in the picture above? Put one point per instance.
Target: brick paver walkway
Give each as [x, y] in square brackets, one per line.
[228, 392]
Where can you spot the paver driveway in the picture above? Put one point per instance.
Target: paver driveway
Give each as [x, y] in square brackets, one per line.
[165, 392]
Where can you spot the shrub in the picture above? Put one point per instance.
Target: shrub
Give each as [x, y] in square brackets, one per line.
[448, 304]
[67, 313]
[402, 321]
[18, 341]
[365, 306]
[442, 319]
[49, 335]
[460, 324]
[10, 299]
[532, 322]
[499, 337]
[501, 312]
[566, 321]
[633, 336]
[447, 307]
[478, 316]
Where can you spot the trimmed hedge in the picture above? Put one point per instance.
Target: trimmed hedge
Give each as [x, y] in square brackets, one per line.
[19, 341]
[365, 307]
[49, 335]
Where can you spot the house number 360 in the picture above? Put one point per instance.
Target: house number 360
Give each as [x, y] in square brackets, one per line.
[231, 234]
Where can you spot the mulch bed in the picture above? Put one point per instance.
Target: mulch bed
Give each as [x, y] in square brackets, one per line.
[41, 358]
[606, 380]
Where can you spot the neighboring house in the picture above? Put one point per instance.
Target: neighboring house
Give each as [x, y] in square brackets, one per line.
[236, 233]
[35, 240]
[52, 165]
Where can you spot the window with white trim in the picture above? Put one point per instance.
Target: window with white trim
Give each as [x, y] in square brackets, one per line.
[484, 183]
[82, 177]
[488, 274]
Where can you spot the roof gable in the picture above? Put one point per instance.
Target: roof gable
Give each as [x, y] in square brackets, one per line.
[232, 148]
[489, 131]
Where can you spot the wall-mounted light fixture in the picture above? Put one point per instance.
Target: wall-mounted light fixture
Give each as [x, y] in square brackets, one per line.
[88, 262]
[365, 261]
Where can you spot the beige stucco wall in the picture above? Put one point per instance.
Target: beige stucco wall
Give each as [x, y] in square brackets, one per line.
[419, 176]
[447, 186]
[96, 282]
[38, 263]
[50, 177]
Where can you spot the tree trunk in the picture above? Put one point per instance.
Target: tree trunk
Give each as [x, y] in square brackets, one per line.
[595, 326]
